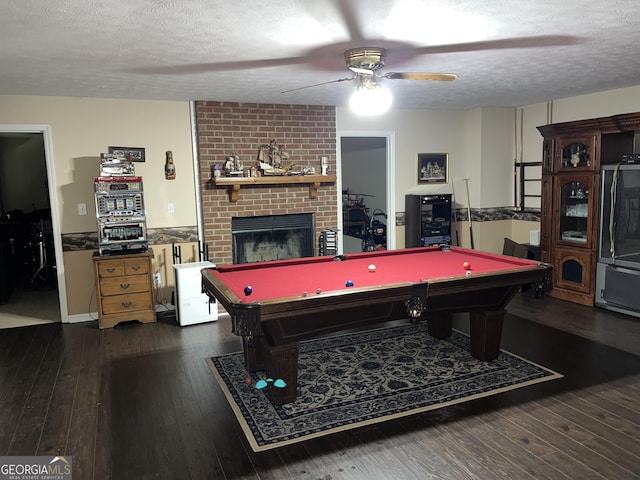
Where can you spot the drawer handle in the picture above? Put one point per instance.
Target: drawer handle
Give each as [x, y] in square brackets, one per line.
[111, 269]
[125, 304]
[136, 267]
[124, 286]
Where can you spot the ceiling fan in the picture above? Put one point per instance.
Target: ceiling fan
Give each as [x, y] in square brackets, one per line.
[365, 62]
[370, 97]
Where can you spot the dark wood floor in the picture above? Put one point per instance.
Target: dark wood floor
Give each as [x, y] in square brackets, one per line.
[138, 402]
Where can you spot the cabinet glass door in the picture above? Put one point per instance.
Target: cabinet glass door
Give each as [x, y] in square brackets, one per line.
[575, 211]
[576, 153]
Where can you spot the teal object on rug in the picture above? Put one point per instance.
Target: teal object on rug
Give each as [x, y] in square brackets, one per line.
[357, 379]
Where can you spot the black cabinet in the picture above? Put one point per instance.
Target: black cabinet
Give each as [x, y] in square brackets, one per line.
[427, 220]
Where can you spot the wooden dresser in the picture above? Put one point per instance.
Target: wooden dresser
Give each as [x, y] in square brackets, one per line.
[124, 285]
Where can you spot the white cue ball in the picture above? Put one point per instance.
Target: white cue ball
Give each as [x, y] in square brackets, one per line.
[372, 268]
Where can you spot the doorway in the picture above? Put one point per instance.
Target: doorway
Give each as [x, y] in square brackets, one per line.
[366, 180]
[30, 246]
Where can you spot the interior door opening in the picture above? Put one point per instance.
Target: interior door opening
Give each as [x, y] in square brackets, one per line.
[29, 291]
[366, 206]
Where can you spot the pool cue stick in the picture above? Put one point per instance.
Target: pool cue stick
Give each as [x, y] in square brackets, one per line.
[455, 217]
[515, 158]
[469, 214]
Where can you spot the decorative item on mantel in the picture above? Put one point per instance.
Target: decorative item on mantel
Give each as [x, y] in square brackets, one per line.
[271, 158]
[324, 165]
[233, 166]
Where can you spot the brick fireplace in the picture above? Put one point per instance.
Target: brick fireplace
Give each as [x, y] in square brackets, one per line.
[307, 131]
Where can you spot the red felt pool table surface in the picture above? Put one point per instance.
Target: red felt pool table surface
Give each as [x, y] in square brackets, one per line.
[291, 278]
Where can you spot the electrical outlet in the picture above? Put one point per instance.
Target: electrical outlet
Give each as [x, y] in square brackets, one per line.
[157, 279]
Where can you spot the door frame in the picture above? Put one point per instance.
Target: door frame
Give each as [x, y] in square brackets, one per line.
[45, 130]
[390, 137]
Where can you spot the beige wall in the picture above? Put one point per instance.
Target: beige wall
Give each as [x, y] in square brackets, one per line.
[82, 128]
[604, 104]
[479, 143]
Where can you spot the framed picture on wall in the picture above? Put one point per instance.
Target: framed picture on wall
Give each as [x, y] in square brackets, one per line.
[134, 154]
[433, 167]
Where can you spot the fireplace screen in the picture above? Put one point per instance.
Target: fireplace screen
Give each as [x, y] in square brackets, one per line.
[272, 237]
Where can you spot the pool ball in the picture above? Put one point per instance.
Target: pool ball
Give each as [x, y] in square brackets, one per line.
[319, 290]
[466, 266]
[248, 290]
[372, 268]
[349, 283]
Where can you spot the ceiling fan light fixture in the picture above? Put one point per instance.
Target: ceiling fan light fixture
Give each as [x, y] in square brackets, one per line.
[370, 98]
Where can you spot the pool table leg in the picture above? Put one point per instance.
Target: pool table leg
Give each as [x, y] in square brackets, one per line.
[282, 363]
[486, 334]
[439, 324]
[256, 350]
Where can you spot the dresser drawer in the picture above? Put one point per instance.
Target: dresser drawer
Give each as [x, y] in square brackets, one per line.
[120, 266]
[111, 268]
[126, 303]
[124, 285]
[134, 266]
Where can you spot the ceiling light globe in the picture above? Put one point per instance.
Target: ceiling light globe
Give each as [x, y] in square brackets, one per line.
[369, 101]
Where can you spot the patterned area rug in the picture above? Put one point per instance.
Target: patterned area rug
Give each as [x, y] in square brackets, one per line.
[362, 378]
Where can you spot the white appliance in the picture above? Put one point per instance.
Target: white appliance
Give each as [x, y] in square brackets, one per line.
[193, 306]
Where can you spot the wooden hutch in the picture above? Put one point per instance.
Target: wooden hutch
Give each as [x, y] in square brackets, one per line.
[572, 155]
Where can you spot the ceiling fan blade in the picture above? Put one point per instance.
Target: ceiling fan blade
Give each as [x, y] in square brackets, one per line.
[351, 20]
[505, 43]
[318, 84]
[440, 77]
[220, 66]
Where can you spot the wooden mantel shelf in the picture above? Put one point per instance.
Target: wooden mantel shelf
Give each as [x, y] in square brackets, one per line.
[233, 184]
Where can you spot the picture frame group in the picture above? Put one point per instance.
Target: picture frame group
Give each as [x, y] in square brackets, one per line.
[433, 168]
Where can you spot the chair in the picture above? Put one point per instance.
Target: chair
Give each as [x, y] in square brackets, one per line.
[514, 249]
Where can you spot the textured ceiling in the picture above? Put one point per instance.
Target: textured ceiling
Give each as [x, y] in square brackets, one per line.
[505, 53]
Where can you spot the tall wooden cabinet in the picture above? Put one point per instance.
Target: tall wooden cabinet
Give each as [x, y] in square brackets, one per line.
[573, 153]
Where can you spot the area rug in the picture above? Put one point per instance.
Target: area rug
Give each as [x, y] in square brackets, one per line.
[357, 379]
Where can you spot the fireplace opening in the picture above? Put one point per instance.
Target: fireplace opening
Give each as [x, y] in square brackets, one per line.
[272, 237]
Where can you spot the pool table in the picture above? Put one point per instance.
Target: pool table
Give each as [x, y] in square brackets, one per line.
[274, 305]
